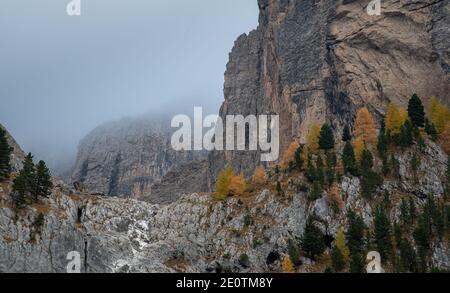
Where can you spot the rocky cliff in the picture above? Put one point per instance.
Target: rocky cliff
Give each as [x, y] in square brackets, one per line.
[198, 233]
[126, 158]
[320, 61]
[308, 61]
[17, 155]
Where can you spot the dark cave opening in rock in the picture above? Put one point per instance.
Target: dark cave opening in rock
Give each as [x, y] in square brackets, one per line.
[85, 256]
[328, 239]
[219, 268]
[273, 257]
[79, 214]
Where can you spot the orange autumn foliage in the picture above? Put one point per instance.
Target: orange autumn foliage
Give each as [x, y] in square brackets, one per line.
[288, 266]
[259, 176]
[237, 185]
[365, 127]
[289, 156]
[359, 146]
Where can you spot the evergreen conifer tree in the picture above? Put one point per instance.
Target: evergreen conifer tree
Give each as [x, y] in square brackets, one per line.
[330, 167]
[421, 236]
[366, 160]
[279, 189]
[404, 213]
[326, 139]
[369, 178]
[357, 263]
[355, 232]
[312, 241]
[43, 180]
[320, 172]
[29, 172]
[408, 256]
[406, 138]
[24, 185]
[383, 141]
[349, 160]
[19, 192]
[298, 159]
[316, 191]
[337, 259]
[346, 136]
[311, 172]
[416, 111]
[430, 129]
[383, 235]
[5, 156]
[412, 210]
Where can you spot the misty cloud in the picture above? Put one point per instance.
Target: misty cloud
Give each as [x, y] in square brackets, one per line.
[62, 76]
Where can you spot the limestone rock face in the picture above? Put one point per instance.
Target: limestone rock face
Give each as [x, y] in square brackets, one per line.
[317, 61]
[308, 61]
[125, 158]
[196, 233]
[28, 247]
[183, 179]
[17, 155]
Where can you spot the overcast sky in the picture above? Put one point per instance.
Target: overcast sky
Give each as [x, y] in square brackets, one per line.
[61, 76]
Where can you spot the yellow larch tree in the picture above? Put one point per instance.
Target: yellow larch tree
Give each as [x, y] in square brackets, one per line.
[289, 155]
[288, 266]
[259, 176]
[365, 127]
[392, 120]
[395, 118]
[359, 146]
[438, 114]
[441, 118]
[238, 185]
[432, 107]
[403, 112]
[312, 140]
[223, 183]
[341, 244]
